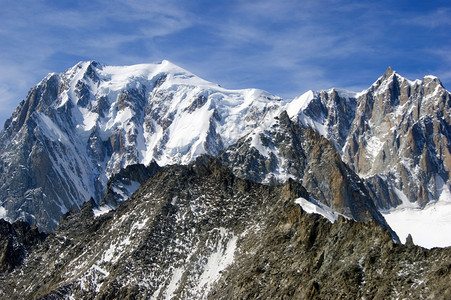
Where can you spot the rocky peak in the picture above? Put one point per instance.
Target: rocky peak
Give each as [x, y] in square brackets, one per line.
[38, 100]
[389, 71]
[329, 112]
[386, 92]
[432, 80]
[123, 184]
[392, 135]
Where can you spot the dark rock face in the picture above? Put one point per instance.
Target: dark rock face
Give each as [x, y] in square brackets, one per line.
[200, 232]
[16, 241]
[305, 257]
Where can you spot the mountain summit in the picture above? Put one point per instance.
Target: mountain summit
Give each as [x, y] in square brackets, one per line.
[396, 136]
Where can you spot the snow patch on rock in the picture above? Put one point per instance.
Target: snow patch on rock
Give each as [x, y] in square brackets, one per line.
[218, 260]
[312, 206]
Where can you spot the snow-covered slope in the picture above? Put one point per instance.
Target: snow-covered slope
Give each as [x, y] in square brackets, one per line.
[167, 113]
[429, 226]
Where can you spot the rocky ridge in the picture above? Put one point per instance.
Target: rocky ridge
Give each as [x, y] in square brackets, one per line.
[283, 149]
[124, 183]
[200, 232]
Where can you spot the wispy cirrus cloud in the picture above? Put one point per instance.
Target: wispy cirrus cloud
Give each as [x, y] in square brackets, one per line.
[437, 18]
[285, 47]
[38, 37]
[295, 39]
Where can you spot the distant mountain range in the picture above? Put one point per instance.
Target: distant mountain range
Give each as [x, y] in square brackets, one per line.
[384, 148]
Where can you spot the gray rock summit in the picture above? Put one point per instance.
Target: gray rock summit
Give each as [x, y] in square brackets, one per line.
[401, 132]
[395, 135]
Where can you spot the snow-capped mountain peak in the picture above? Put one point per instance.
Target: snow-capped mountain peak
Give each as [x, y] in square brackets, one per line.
[86, 124]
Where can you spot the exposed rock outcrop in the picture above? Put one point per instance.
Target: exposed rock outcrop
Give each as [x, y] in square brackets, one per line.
[396, 135]
[16, 241]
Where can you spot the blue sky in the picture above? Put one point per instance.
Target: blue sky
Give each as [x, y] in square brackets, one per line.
[284, 47]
